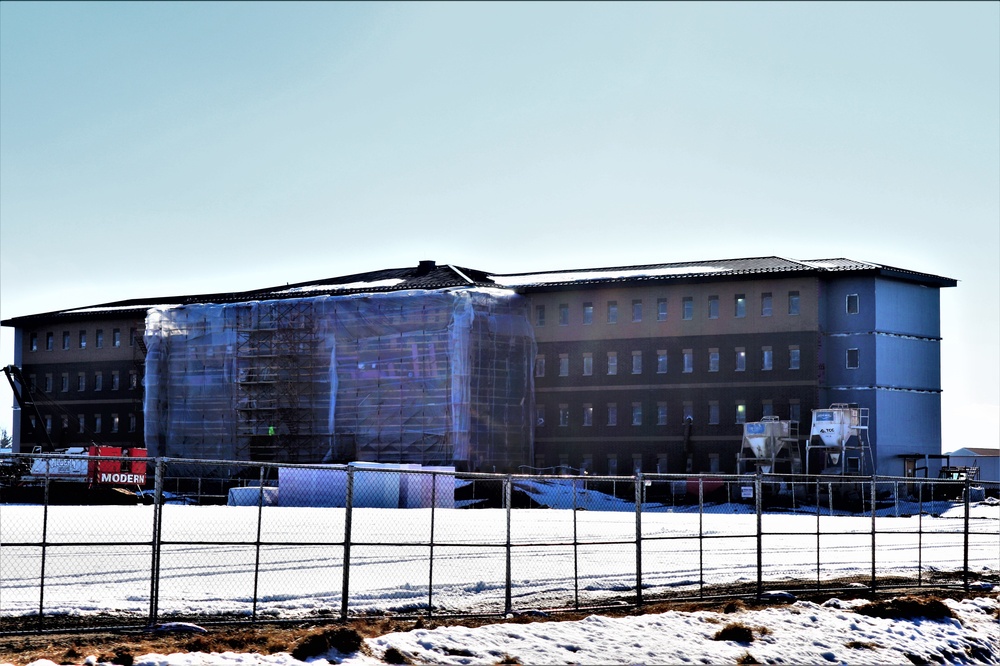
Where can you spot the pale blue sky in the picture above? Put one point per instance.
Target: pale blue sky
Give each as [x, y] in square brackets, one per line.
[160, 148]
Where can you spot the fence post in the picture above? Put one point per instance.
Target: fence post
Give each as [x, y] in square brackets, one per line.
[154, 578]
[920, 535]
[430, 572]
[759, 505]
[256, 564]
[507, 604]
[348, 504]
[818, 531]
[872, 497]
[638, 538]
[45, 541]
[701, 536]
[576, 562]
[965, 544]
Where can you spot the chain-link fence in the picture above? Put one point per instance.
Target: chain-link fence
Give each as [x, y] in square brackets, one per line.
[235, 541]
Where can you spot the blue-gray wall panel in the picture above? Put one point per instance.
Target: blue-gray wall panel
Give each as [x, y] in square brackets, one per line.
[910, 309]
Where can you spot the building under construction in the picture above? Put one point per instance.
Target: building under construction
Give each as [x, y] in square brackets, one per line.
[653, 368]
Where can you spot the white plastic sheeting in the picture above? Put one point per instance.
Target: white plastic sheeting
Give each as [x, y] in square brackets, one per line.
[437, 377]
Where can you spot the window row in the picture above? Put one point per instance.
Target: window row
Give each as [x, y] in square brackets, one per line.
[81, 381]
[96, 423]
[687, 312]
[635, 415]
[712, 362]
[81, 339]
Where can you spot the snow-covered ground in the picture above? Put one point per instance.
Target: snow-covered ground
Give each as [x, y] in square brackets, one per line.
[800, 633]
[101, 557]
[103, 560]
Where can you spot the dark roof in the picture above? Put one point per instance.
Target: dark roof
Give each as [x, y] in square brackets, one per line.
[430, 275]
[710, 270]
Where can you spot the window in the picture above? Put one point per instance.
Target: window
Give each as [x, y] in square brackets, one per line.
[33, 342]
[612, 363]
[116, 338]
[588, 414]
[612, 414]
[564, 463]
[115, 383]
[133, 380]
[64, 382]
[98, 380]
[131, 337]
[637, 464]
[48, 424]
[81, 381]
[637, 363]
[741, 359]
[32, 383]
[99, 338]
[539, 315]
[741, 412]
[794, 410]
[852, 359]
[767, 408]
[564, 365]
[563, 415]
[713, 412]
[713, 360]
[114, 423]
[765, 304]
[661, 309]
[588, 364]
[612, 312]
[766, 358]
[688, 308]
[48, 382]
[793, 302]
[131, 422]
[637, 413]
[539, 365]
[97, 423]
[81, 425]
[661, 463]
[48, 342]
[588, 463]
[740, 309]
[539, 416]
[588, 313]
[661, 413]
[713, 463]
[713, 307]
[83, 339]
[637, 310]
[564, 314]
[65, 339]
[688, 360]
[853, 304]
[794, 357]
[688, 411]
[612, 464]
[661, 361]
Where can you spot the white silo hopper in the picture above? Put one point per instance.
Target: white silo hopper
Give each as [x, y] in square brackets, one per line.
[838, 441]
[771, 446]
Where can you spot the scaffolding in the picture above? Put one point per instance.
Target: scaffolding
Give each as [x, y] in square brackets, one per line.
[276, 378]
[431, 377]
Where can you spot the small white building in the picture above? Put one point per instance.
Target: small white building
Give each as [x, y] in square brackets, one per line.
[987, 460]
